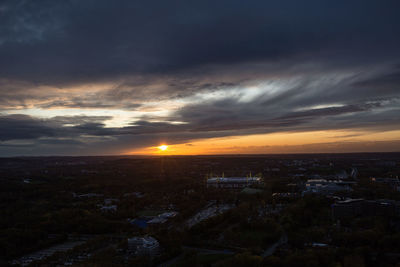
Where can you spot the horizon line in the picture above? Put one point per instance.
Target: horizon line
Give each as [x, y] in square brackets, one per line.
[196, 155]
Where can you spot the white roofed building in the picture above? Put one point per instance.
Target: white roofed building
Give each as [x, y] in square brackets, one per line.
[326, 187]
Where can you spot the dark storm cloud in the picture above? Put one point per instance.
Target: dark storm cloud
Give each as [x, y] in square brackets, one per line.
[15, 127]
[23, 127]
[133, 44]
[70, 41]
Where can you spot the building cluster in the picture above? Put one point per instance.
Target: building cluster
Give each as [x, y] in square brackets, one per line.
[232, 182]
[394, 183]
[326, 187]
[351, 208]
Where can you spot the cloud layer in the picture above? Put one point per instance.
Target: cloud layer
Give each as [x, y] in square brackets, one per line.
[94, 77]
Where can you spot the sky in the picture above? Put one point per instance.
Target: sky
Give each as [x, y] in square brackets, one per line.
[100, 77]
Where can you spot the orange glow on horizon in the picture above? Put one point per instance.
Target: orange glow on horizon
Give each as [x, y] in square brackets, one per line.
[333, 141]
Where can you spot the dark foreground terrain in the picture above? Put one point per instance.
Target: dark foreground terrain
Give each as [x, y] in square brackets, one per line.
[307, 210]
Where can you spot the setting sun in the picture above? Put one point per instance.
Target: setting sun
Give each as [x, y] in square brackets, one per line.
[163, 147]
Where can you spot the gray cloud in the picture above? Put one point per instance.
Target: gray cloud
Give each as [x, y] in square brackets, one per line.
[316, 66]
[205, 124]
[71, 41]
[15, 127]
